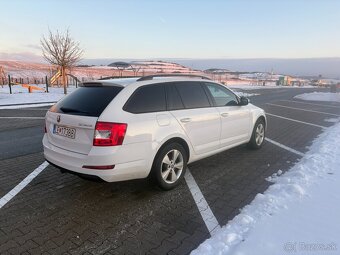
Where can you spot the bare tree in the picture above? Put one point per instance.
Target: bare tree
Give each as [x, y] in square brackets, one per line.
[61, 50]
[135, 70]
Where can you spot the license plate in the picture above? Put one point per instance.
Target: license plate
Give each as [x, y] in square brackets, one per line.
[65, 131]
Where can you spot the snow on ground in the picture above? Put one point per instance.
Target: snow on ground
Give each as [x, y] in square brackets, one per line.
[251, 84]
[320, 96]
[251, 87]
[298, 214]
[21, 96]
[244, 94]
[241, 93]
[334, 120]
[38, 71]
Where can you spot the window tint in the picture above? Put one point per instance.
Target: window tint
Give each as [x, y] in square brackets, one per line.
[173, 98]
[192, 94]
[150, 98]
[221, 95]
[87, 101]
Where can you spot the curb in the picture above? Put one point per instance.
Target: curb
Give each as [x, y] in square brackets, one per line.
[28, 104]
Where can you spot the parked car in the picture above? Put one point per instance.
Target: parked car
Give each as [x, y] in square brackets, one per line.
[122, 129]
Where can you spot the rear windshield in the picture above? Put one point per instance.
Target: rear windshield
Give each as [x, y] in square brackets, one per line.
[87, 101]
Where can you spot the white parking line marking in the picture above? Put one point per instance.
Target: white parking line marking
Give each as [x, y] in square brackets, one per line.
[202, 205]
[299, 121]
[285, 147]
[299, 109]
[5, 199]
[332, 106]
[30, 118]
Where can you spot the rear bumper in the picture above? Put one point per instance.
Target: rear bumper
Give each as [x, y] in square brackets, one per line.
[84, 176]
[129, 163]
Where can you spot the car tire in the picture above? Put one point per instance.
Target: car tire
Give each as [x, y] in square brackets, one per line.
[169, 166]
[258, 136]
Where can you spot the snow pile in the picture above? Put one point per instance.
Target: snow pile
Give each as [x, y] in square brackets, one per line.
[299, 212]
[333, 120]
[320, 96]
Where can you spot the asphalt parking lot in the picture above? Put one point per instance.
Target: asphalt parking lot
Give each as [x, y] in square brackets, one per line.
[62, 214]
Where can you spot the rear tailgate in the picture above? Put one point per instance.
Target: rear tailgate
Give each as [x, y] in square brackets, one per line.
[71, 132]
[71, 122]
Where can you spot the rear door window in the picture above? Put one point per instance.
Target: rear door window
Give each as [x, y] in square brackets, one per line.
[192, 95]
[87, 101]
[149, 98]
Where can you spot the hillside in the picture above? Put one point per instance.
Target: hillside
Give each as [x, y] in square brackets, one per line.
[36, 72]
[19, 69]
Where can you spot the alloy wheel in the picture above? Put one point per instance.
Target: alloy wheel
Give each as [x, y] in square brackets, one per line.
[259, 135]
[172, 166]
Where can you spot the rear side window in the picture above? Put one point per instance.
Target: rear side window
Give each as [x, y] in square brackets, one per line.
[173, 98]
[150, 98]
[87, 101]
[192, 94]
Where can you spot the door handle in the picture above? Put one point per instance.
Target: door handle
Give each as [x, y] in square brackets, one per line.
[224, 114]
[186, 120]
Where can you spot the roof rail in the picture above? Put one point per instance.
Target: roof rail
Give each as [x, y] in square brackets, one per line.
[150, 77]
[117, 77]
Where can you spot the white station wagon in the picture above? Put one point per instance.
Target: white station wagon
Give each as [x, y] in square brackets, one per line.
[122, 129]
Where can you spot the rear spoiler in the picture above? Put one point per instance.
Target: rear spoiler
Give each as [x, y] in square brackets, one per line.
[99, 84]
[91, 84]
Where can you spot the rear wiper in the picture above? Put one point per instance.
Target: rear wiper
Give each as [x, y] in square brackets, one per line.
[66, 109]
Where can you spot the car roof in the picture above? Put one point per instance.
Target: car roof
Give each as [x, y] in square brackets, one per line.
[119, 81]
[124, 82]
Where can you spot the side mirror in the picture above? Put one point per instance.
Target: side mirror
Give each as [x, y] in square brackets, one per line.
[244, 101]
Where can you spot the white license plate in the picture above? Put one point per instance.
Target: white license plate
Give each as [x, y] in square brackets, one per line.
[65, 131]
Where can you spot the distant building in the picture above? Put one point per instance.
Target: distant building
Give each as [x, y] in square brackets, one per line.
[285, 81]
[324, 82]
[291, 81]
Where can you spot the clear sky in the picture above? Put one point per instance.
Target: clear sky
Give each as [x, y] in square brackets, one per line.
[177, 29]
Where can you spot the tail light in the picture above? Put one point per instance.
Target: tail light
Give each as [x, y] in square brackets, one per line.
[109, 134]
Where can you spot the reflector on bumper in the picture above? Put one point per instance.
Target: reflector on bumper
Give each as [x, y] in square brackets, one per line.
[109, 167]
